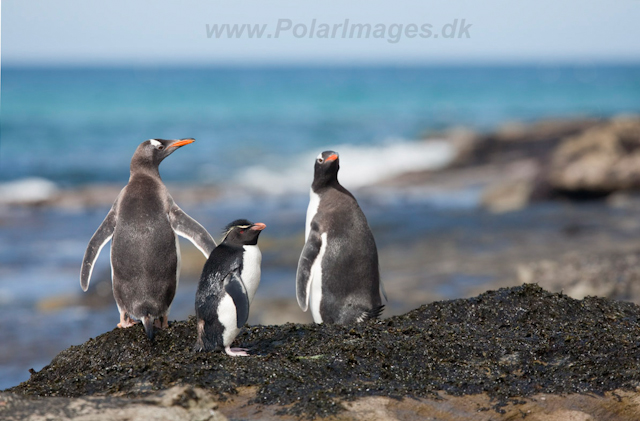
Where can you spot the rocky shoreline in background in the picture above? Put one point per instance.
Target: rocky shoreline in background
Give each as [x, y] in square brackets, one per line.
[515, 165]
[43, 193]
[519, 164]
[580, 160]
[505, 352]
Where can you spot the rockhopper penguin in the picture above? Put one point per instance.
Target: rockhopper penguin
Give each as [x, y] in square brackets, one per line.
[338, 275]
[228, 283]
[143, 224]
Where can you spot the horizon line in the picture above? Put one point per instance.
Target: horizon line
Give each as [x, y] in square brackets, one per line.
[317, 65]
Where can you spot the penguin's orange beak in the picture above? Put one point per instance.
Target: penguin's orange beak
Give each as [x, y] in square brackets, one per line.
[258, 226]
[331, 158]
[182, 142]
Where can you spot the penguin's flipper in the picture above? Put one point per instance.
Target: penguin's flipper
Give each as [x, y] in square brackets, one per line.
[234, 286]
[308, 256]
[187, 227]
[101, 237]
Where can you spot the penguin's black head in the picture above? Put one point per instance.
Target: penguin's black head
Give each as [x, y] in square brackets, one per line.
[241, 232]
[326, 169]
[151, 152]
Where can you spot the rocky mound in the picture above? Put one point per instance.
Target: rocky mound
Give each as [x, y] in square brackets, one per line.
[514, 342]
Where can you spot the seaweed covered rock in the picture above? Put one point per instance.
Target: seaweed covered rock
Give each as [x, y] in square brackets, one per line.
[514, 342]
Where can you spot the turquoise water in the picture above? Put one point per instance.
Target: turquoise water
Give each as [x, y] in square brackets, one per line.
[77, 126]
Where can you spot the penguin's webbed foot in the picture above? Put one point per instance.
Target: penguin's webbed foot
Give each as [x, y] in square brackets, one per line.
[125, 321]
[236, 352]
[199, 345]
[161, 322]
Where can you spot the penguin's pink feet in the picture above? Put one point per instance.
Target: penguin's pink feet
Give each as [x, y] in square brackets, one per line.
[161, 323]
[236, 352]
[125, 321]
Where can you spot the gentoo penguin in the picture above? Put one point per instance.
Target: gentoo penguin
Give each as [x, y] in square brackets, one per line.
[338, 274]
[228, 283]
[143, 224]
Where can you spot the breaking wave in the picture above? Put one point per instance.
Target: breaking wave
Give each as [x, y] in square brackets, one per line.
[360, 166]
[27, 190]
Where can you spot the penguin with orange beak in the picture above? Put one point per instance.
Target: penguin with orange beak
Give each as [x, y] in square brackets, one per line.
[143, 226]
[338, 277]
[228, 283]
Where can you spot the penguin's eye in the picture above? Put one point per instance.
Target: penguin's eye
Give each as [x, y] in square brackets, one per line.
[241, 231]
[320, 160]
[160, 147]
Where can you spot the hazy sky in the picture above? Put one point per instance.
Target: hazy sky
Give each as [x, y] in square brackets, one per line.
[92, 32]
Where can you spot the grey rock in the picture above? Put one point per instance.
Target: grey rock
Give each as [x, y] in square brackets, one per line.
[603, 159]
[179, 403]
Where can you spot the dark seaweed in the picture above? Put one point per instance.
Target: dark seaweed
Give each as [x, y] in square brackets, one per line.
[509, 343]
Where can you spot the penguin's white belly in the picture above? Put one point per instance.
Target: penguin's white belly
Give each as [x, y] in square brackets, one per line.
[315, 279]
[312, 209]
[179, 262]
[228, 319]
[250, 275]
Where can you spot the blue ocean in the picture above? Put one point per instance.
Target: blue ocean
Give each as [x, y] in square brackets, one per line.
[257, 132]
[76, 126]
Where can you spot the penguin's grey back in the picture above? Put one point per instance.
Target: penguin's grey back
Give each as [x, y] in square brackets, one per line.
[211, 297]
[350, 272]
[144, 250]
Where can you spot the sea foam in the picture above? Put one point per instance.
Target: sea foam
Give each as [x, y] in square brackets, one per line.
[27, 190]
[360, 166]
